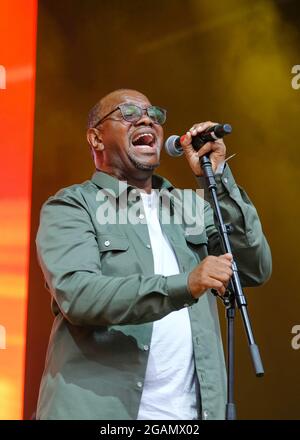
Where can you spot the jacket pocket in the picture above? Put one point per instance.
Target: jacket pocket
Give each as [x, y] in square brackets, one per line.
[196, 239]
[115, 254]
[198, 244]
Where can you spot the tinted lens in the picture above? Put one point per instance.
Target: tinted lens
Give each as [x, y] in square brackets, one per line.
[157, 114]
[131, 112]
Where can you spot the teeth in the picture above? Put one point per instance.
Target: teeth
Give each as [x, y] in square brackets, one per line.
[143, 134]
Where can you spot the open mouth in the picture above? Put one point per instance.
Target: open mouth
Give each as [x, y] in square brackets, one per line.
[144, 140]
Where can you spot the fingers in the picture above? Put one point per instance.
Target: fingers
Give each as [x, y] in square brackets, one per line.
[227, 256]
[226, 259]
[193, 131]
[221, 274]
[218, 286]
[220, 269]
[216, 147]
[212, 273]
[224, 273]
[200, 127]
[186, 139]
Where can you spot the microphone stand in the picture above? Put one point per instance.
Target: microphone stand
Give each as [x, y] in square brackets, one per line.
[234, 296]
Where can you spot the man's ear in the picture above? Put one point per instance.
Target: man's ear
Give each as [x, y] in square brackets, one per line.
[94, 138]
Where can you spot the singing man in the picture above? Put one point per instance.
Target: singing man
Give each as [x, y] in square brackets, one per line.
[136, 331]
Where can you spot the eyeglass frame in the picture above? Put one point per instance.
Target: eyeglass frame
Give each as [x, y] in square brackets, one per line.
[144, 109]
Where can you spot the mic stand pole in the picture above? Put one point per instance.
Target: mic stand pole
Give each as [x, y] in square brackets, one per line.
[234, 296]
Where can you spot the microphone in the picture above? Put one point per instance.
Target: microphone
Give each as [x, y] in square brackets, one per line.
[174, 148]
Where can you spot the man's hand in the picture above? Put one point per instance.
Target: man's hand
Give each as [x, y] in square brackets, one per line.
[211, 273]
[216, 150]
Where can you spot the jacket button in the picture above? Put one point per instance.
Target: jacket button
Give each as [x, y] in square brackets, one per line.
[139, 384]
[107, 243]
[141, 216]
[225, 180]
[148, 246]
[146, 347]
[205, 415]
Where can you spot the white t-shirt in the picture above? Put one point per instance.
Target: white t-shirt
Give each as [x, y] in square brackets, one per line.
[169, 391]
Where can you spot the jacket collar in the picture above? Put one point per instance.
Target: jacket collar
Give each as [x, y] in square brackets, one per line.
[116, 187]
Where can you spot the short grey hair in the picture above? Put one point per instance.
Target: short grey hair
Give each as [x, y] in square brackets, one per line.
[95, 113]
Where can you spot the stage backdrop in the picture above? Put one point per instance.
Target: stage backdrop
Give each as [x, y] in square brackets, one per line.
[17, 74]
[228, 61]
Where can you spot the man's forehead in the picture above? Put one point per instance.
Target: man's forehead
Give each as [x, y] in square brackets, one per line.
[114, 99]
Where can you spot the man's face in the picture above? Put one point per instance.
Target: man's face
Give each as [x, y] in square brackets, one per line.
[129, 146]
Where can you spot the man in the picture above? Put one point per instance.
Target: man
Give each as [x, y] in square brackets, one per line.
[136, 332]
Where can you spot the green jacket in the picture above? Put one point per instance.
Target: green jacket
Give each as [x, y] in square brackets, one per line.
[105, 297]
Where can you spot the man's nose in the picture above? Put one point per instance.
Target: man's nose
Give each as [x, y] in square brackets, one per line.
[144, 120]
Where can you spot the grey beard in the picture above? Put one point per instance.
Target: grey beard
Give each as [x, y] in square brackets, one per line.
[142, 166]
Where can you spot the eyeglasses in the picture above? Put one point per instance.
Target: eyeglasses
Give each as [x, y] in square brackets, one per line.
[133, 113]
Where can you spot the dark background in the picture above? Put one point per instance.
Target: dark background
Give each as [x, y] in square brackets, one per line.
[226, 61]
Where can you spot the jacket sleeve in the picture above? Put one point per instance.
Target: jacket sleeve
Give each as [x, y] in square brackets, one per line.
[249, 245]
[69, 257]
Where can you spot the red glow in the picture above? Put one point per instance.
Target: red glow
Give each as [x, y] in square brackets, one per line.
[17, 75]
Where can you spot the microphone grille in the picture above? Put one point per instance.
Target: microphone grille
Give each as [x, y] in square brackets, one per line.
[227, 128]
[171, 147]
